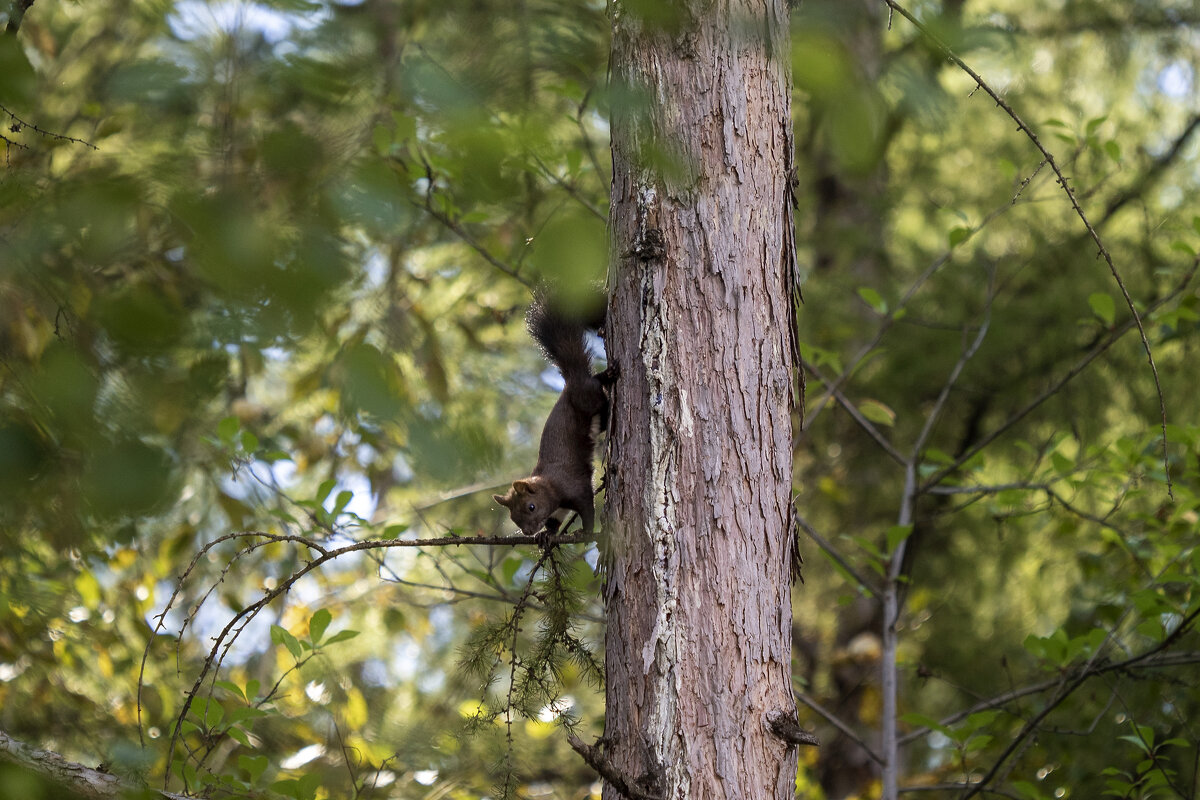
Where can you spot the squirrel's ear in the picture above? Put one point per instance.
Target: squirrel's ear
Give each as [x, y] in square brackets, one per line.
[501, 500]
[522, 486]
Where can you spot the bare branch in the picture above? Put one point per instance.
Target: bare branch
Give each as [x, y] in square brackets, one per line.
[968, 353]
[842, 727]
[837, 557]
[17, 124]
[890, 318]
[595, 758]
[856, 415]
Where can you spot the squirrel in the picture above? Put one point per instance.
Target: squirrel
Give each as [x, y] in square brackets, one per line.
[562, 478]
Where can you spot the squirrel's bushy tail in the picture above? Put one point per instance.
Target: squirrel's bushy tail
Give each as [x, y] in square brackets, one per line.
[561, 339]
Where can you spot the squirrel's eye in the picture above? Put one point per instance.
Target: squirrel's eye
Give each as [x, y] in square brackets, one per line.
[533, 506]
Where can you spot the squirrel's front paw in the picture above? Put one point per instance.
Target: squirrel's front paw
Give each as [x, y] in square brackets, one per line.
[609, 376]
[543, 536]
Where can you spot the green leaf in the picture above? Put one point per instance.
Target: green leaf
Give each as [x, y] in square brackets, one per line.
[232, 688]
[318, 623]
[243, 713]
[977, 743]
[381, 137]
[249, 442]
[343, 499]
[213, 714]
[867, 545]
[922, 721]
[1113, 149]
[227, 428]
[877, 412]
[281, 636]
[957, 236]
[897, 534]
[1136, 741]
[1093, 124]
[324, 489]
[1103, 307]
[873, 299]
[341, 636]
[255, 766]
[1181, 246]
[302, 789]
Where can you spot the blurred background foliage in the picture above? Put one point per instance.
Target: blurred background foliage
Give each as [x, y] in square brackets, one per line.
[263, 267]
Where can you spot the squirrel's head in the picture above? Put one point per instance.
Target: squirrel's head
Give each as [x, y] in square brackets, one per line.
[530, 503]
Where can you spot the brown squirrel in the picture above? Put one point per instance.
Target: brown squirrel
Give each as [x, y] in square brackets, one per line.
[562, 478]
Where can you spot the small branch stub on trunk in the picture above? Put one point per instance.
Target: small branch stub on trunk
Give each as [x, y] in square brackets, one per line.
[785, 725]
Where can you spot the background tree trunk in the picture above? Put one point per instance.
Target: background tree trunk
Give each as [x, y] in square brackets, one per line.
[701, 326]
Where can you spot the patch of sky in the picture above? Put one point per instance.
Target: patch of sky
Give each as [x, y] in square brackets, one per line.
[195, 19]
[592, 557]
[363, 502]
[406, 658]
[376, 270]
[375, 673]
[208, 621]
[552, 378]
[1175, 80]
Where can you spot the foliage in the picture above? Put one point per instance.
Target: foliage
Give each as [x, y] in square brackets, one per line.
[261, 362]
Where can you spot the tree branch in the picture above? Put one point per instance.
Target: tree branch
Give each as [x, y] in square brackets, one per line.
[595, 758]
[16, 13]
[82, 781]
[856, 415]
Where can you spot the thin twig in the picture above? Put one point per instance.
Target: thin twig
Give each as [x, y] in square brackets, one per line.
[19, 124]
[856, 415]
[595, 758]
[842, 727]
[837, 557]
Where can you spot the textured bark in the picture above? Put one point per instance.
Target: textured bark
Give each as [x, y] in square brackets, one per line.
[701, 327]
[76, 780]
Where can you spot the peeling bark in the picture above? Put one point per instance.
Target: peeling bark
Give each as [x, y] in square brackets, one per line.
[701, 324]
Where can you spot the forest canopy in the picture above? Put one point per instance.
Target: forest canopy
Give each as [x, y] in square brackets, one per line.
[264, 268]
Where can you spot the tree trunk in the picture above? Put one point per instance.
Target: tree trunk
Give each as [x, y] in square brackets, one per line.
[701, 326]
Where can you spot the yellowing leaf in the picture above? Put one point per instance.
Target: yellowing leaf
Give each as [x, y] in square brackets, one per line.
[355, 712]
[88, 588]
